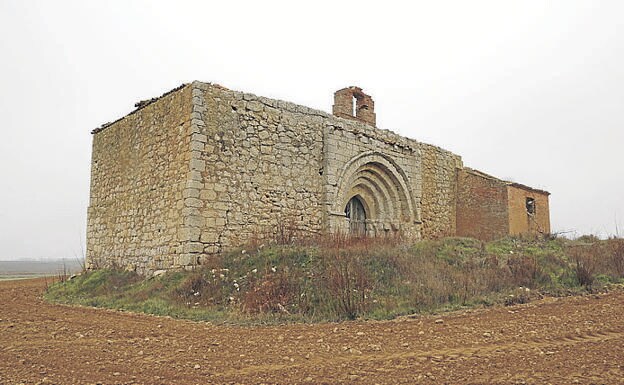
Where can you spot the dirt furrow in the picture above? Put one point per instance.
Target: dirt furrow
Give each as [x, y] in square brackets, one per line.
[556, 340]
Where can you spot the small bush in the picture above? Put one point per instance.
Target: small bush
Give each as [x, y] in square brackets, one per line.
[585, 263]
[588, 238]
[585, 272]
[524, 270]
[519, 296]
[615, 259]
[348, 283]
[192, 287]
[273, 293]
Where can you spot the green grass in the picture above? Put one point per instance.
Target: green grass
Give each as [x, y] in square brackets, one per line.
[345, 279]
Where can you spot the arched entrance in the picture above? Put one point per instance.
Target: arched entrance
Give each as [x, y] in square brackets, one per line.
[356, 214]
[374, 184]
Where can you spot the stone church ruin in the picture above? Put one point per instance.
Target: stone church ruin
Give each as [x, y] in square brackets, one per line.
[204, 169]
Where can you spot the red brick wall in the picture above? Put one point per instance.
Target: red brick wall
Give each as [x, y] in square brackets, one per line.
[364, 105]
[481, 206]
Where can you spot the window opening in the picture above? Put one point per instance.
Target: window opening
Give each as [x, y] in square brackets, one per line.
[530, 206]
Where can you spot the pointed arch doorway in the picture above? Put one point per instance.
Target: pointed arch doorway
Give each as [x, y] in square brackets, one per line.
[356, 214]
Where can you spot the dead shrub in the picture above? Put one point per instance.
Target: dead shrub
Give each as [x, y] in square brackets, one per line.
[285, 233]
[435, 283]
[470, 281]
[190, 289]
[494, 275]
[524, 270]
[203, 287]
[343, 241]
[346, 279]
[585, 258]
[616, 257]
[519, 296]
[585, 272]
[273, 293]
[588, 238]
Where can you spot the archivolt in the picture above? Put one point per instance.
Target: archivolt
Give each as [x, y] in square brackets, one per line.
[382, 185]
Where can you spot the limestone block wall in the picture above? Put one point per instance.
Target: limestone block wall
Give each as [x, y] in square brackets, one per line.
[382, 168]
[520, 221]
[482, 209]
[138, 172]
[439, 191]
[204, 169]
[256, 170]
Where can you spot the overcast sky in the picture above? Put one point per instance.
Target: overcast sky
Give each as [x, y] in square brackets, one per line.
[529, 91]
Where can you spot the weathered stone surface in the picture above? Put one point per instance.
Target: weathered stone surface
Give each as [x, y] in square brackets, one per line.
[439, 191]
[198, 165]
[138, 174]
[194, 221]
[190, 193]
[194, 247]
[193, 202]
[199, 138]
[205, 169]
[188, 233]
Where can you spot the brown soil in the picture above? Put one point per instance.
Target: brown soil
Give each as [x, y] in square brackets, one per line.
[555, 340]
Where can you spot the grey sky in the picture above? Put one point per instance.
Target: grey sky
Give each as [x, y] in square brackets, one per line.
[530, 91]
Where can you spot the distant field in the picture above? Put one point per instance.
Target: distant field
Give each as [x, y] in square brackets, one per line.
[31, 269]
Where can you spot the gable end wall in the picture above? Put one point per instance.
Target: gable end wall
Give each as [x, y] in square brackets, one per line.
[138, 174]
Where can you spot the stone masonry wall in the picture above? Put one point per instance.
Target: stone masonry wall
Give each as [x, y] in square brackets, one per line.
[381, 166]
[255, 170]
[481, 206]
[263, 167]
[204, 169]
[138, 172]
[439, 191]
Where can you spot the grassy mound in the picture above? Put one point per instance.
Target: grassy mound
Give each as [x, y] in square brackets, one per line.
[344, 279]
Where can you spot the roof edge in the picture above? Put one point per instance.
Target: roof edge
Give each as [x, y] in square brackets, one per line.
[505, 182]
[139, 106]
[525, 187]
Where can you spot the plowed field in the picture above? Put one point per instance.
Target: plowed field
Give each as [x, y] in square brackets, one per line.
[555, 340]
